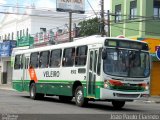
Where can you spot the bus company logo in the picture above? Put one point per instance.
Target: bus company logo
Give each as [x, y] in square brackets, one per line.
[158, 52]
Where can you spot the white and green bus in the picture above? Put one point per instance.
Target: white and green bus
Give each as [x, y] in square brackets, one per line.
[94, 68]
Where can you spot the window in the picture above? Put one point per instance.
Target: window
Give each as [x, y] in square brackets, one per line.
[5, 37]
[91, 60]
[20, 33]
[118, 13]
[95, 60]
[133, 9]
[55, 58]
[34, 60]
[99, 62]
[8, 36]
[44, 59]
[42, 29]
[81, 55]
[69, 57]
[156, 8]
[12, 36]
[17, 34]
[27, 32]
[17, 63]
[22, 60]
[26, 63]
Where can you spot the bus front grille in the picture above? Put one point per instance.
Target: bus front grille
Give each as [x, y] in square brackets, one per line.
[127, 95]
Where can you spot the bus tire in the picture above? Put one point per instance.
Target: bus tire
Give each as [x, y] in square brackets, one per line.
[33, 94]
[118, 104]
[79, 97]
[65, 98]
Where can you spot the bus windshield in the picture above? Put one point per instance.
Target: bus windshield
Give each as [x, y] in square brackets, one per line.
[126, 63]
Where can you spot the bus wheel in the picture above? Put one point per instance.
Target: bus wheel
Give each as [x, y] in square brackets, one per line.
[118, 104]
[79, 97]
[33, 94]
[65, 98]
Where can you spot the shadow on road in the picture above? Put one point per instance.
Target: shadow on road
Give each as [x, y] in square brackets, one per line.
[93, 105]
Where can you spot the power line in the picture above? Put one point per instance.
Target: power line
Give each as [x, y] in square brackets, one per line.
[92, 8]
[38, 15]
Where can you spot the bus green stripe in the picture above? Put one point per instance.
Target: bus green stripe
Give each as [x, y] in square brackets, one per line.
[57, 81]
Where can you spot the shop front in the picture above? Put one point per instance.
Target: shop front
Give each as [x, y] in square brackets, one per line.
[5, 62]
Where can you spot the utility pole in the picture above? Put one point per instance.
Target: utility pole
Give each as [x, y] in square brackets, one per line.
[108, 14]
[102, 18]
[70, 26]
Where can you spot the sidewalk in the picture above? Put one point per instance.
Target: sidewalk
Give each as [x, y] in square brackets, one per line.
[6, 86]
[152, 99]
[155, 99]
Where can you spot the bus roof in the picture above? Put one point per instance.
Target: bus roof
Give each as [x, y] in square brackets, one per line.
[95, 39]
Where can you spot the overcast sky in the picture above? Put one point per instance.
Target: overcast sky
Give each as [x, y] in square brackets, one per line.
[51, 4]
[48, 5]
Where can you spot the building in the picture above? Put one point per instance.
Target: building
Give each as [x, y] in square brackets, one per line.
[33, 21]
[139, 20]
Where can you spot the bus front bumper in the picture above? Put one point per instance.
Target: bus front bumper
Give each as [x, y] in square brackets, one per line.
[106, 94]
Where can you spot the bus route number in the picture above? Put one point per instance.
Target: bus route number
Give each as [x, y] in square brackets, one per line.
[73, 71]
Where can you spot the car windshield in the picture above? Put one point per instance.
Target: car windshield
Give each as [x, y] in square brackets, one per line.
[124, 62]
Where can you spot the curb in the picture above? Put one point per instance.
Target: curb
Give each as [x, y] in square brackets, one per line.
[7, 89]
[152, 101]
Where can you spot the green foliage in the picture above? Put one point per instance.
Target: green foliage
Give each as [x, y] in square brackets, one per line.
[89, 27]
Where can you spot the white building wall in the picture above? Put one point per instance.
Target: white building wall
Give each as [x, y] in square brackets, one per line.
[34, 21]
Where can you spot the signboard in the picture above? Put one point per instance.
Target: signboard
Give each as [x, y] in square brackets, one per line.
[63, 37]
[6, 48]
[70, 6]
[25, 41]
[44, 37]
[158, 52]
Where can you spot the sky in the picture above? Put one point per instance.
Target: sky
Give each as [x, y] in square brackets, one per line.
[51, 4]
[47, 5]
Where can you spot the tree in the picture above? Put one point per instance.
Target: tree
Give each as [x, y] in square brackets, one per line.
[89, 27]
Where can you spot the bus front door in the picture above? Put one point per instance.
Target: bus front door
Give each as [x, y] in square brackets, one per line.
[91, 83]
[25, 71]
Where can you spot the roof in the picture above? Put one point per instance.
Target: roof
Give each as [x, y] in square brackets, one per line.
[79, 42]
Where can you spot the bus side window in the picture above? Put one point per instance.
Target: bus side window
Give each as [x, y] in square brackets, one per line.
[69, 57]
[99, 62]
[34, 60]
[17, 63]
[26, 63]
[44, 59]
[55, 58]
[22, 60]
[81, 56]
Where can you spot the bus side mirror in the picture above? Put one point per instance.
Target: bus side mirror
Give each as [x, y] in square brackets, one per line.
[104, 54]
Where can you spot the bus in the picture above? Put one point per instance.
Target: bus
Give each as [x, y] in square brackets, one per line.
[93, 68]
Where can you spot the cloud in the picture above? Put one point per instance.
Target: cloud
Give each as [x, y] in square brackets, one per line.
[45, 4]
[2, 1]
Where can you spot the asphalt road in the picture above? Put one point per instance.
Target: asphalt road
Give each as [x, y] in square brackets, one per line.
[19, 103]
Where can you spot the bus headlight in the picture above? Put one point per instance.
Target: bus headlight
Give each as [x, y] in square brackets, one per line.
[106, 84]
[147, 87]
[144, 85]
